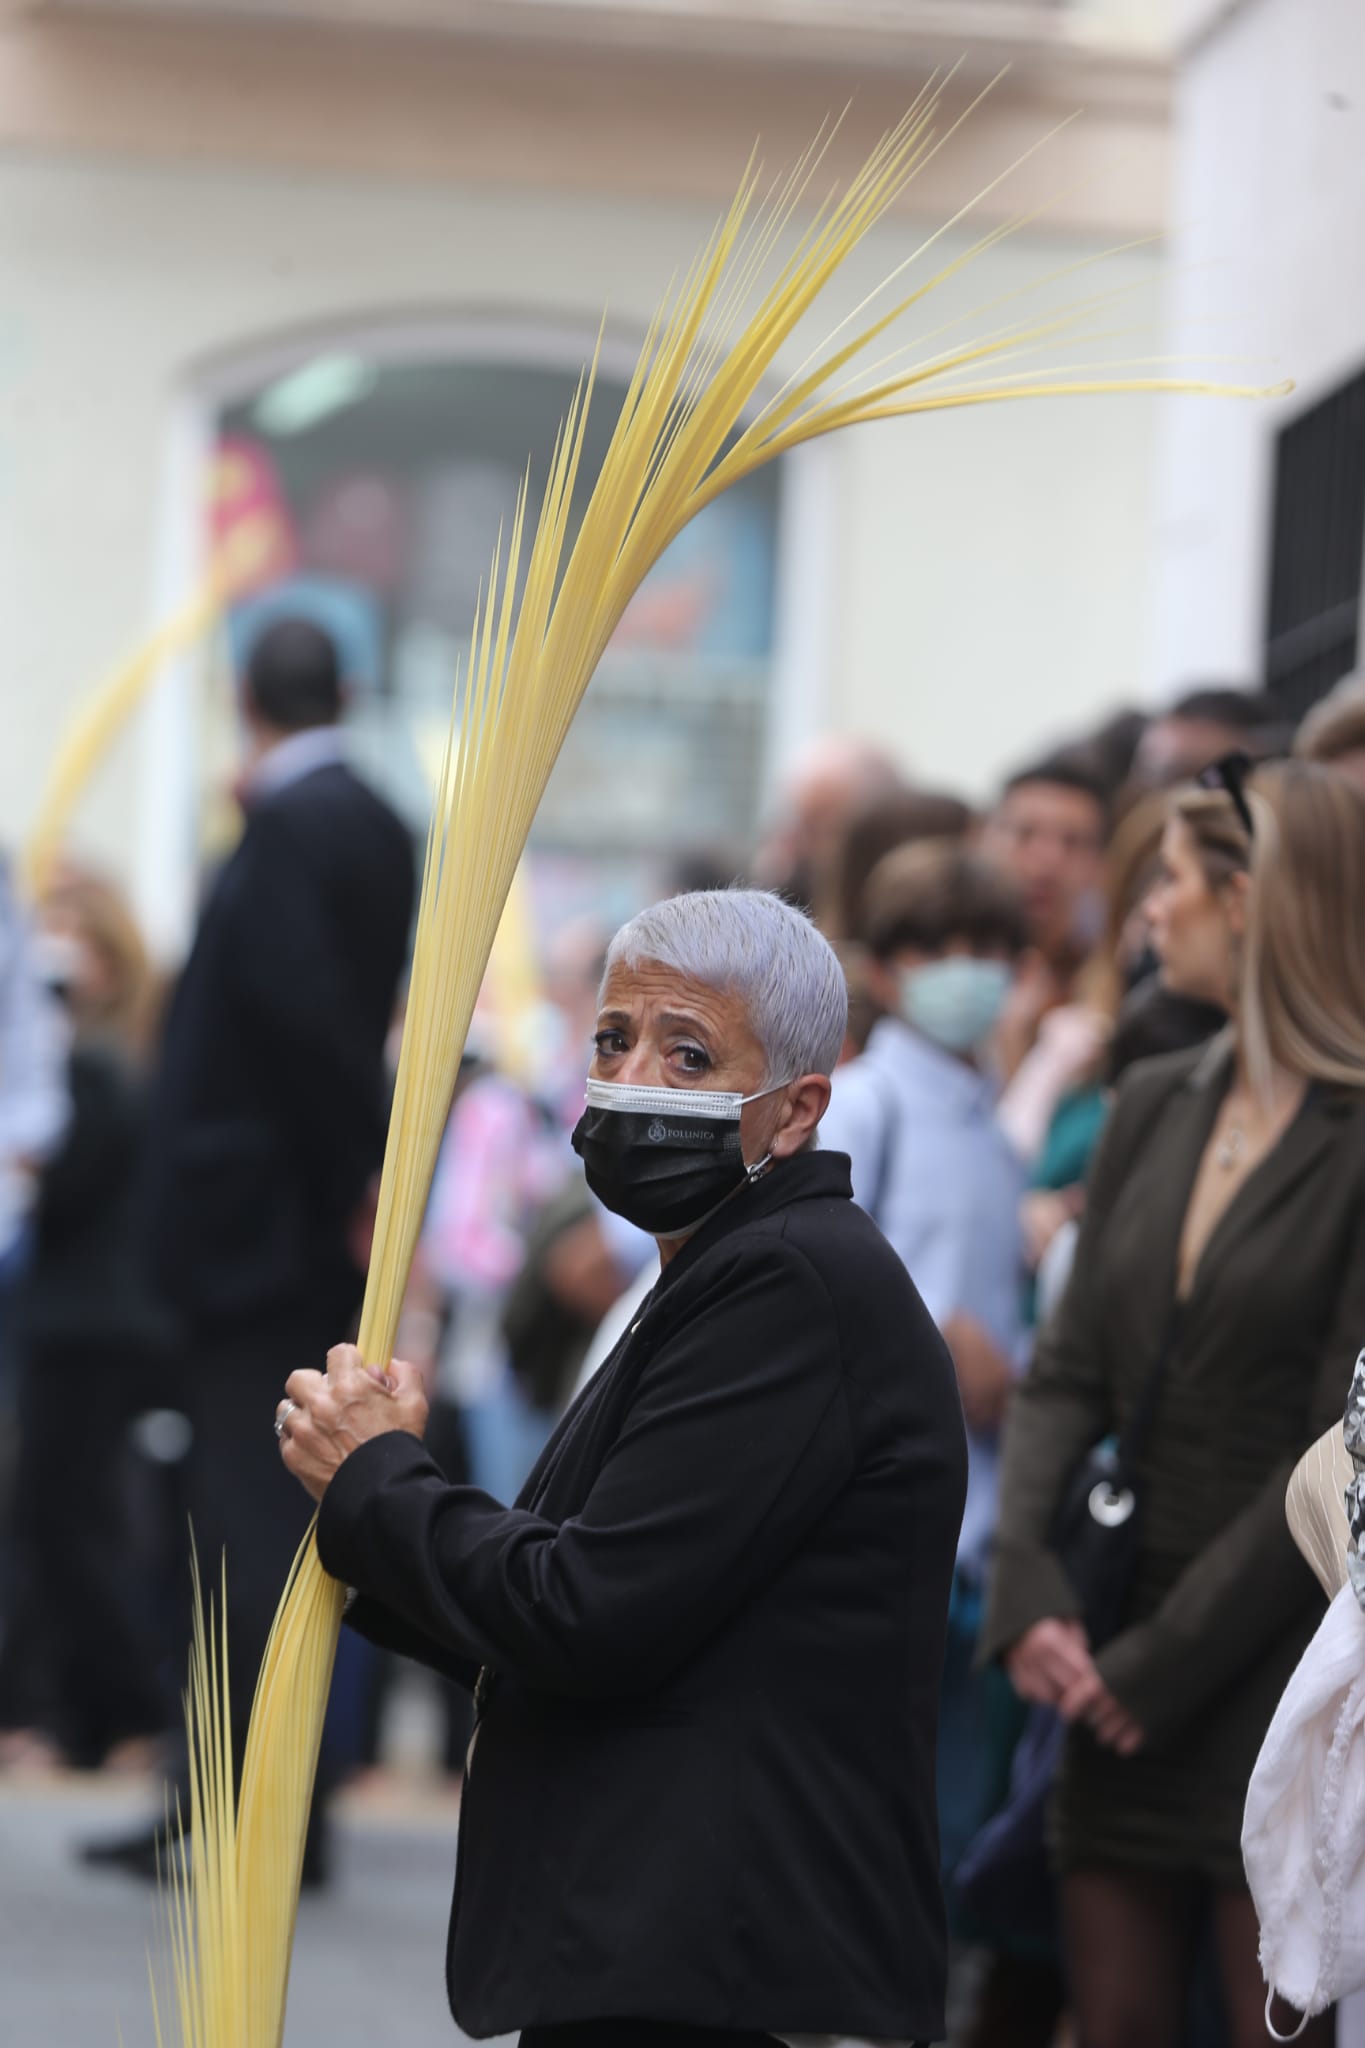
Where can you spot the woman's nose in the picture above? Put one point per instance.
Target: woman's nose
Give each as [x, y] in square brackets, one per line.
[642, 1066]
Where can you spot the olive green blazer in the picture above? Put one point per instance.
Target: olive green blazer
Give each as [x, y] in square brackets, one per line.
[1260, 1359]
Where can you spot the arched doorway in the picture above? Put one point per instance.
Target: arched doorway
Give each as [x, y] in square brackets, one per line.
[391, 454]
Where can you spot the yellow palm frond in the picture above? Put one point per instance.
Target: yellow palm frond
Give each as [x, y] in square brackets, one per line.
[680, 439]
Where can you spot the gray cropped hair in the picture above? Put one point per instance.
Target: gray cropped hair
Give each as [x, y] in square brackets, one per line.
[755, 946]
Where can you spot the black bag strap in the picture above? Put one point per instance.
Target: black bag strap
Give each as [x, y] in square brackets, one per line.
[1132, 1441]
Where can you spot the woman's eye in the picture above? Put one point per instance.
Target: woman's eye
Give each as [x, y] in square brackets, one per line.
[693, 1059]
[609, 1043]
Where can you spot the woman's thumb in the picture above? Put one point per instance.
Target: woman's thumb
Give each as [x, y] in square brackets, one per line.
[404, 1378]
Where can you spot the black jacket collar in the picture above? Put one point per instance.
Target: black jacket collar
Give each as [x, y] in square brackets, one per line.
[810, 1176]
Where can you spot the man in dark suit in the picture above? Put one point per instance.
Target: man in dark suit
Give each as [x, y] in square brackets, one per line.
[269, 1111]
[709, 1637]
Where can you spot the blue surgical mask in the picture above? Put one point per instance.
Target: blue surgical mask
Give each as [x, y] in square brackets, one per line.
[956, 1001]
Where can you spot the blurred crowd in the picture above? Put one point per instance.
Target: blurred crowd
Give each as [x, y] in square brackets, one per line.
[188, 1174]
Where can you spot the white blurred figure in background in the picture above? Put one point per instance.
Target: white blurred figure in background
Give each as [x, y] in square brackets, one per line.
[834, 777]
[34, 1039]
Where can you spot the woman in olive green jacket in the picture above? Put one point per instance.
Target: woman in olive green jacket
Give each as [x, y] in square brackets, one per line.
[1225, 1232]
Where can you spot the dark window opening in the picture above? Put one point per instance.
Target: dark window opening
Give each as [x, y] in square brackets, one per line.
[1318, 537]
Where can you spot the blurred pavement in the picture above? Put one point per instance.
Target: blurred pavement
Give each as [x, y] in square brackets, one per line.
[368, 1960]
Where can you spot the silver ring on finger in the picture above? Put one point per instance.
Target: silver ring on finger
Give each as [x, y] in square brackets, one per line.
[282, 1415]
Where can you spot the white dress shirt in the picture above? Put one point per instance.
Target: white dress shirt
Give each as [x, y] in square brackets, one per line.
[290, 759]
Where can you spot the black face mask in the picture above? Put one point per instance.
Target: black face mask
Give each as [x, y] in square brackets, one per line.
[664, 1158]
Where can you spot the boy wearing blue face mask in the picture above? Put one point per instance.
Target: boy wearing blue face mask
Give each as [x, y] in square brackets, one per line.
[916, 1115]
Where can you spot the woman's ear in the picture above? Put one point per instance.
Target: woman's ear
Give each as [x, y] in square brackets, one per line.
[1237, 902]
[807, 1101]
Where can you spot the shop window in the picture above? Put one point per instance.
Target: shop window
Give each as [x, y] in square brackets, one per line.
[386, 484]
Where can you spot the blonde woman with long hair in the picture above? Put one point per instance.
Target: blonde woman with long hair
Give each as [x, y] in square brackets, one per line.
[98, 958]
[1218, 1290]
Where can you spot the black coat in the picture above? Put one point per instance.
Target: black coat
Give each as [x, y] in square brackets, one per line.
[84, 1287]
[703, 1783]
[269, 1112]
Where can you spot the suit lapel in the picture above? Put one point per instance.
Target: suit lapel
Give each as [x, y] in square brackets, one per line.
[1309, 1136]
[1177, 1145]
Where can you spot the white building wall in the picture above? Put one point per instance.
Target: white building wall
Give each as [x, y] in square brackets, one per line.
[993, 578]
[989, 570]
[1268, 197]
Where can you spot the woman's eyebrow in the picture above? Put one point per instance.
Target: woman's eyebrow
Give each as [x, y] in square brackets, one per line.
[612, 1019]
[680, 1020]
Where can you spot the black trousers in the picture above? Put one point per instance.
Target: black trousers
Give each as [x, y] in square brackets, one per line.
[80, 1658]
[247, 1511]
[640, 2034]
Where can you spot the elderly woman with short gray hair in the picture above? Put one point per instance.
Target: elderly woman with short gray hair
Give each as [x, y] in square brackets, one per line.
[706, 1643]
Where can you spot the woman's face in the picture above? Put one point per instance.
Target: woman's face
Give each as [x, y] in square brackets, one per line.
[1194, 929]
[658, 1029]
[88, 974]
